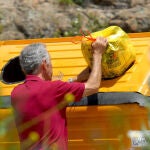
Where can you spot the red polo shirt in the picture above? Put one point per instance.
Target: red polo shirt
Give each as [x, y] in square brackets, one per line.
[39, 108]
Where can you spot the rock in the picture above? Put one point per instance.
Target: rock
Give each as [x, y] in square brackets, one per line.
[133, 20]
[120, 5]
[99, 15]
[137, 2]
[9, 35]
[117, 22]
[132, 25]
[66, 21]
[36, 22]
[47, 18]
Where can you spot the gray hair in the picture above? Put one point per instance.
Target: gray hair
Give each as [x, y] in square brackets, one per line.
[32, 56]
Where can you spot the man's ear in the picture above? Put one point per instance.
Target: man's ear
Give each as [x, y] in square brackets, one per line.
[44, 65]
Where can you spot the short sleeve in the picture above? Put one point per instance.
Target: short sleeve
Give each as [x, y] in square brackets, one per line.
[63, 88]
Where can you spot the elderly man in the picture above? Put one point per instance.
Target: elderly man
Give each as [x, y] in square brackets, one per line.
[40, 104]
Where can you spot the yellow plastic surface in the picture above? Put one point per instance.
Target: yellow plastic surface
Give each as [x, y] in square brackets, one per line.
[68, 59]
[104, 127]
[91, 128]
[94, 127]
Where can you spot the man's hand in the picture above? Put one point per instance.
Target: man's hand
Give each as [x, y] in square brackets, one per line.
[99, 45]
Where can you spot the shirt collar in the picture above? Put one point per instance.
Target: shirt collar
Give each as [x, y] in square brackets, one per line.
[32, 78]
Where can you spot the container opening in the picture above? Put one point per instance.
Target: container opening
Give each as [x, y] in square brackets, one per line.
[12, 72]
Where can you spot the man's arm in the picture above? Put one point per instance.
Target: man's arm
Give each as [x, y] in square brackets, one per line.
[93, 83]
[82, 76]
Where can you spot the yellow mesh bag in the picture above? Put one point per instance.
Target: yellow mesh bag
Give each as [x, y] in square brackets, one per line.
[119, 54]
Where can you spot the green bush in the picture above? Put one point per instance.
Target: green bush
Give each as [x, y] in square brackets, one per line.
[79, 2]
[66, 2]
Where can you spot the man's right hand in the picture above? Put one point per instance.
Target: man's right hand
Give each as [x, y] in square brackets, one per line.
[99, 45]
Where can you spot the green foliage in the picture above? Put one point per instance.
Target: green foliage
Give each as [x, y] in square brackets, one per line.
[1, 28]
[58, 33]
[79, 2]
[66, 2]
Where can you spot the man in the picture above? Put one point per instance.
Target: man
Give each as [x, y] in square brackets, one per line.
[40, 104]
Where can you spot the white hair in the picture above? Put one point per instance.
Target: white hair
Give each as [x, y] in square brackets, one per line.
[32, 56]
